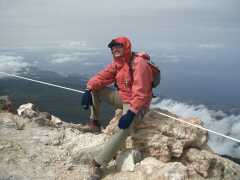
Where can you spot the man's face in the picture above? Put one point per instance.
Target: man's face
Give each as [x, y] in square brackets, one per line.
[117, 51]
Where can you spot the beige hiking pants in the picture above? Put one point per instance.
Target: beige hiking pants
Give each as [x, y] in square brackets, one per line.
[111, 147]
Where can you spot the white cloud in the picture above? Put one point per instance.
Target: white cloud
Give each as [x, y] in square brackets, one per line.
[12, 64]
[228, 125]
[92, 63]
[73, 45]
[64, 58]
[61, 58]
[170, 57]
[211, 45]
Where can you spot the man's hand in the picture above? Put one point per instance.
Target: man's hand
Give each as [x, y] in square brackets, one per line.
[87, 99]
[126, 120]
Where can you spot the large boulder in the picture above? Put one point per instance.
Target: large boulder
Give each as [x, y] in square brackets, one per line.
[30, 112]
[166, 138]
[27, 111]
[162, 137]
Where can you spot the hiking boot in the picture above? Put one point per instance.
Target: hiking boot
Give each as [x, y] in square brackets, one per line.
[95, 171]
[94, 126]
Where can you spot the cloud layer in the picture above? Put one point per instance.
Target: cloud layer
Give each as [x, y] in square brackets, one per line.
[145, 22]
[12, 64]
[61, 58]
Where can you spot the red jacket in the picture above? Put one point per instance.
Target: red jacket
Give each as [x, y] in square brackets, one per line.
[134, 84]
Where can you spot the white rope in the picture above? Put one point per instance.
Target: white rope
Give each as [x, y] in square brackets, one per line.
[75, 90]
[41, 82]
[200, 127]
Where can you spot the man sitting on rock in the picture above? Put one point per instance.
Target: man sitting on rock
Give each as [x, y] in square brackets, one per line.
[133, 78]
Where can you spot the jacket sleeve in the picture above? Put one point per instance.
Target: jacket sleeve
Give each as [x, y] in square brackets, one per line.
[142, 85]
[102, 78]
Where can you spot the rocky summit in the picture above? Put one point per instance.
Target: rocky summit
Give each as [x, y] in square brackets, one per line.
[38, 145]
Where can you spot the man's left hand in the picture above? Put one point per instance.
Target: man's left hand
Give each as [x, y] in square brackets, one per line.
[87, 99]
[126, 120]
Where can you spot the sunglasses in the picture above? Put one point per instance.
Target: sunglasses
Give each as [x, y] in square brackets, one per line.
[117, 46]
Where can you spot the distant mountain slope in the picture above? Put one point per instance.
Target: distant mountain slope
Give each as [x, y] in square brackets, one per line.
[63, 103]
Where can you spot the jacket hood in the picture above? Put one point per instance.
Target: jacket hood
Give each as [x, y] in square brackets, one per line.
[126, 45]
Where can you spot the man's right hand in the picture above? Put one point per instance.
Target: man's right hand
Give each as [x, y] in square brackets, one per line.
[87, 99]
